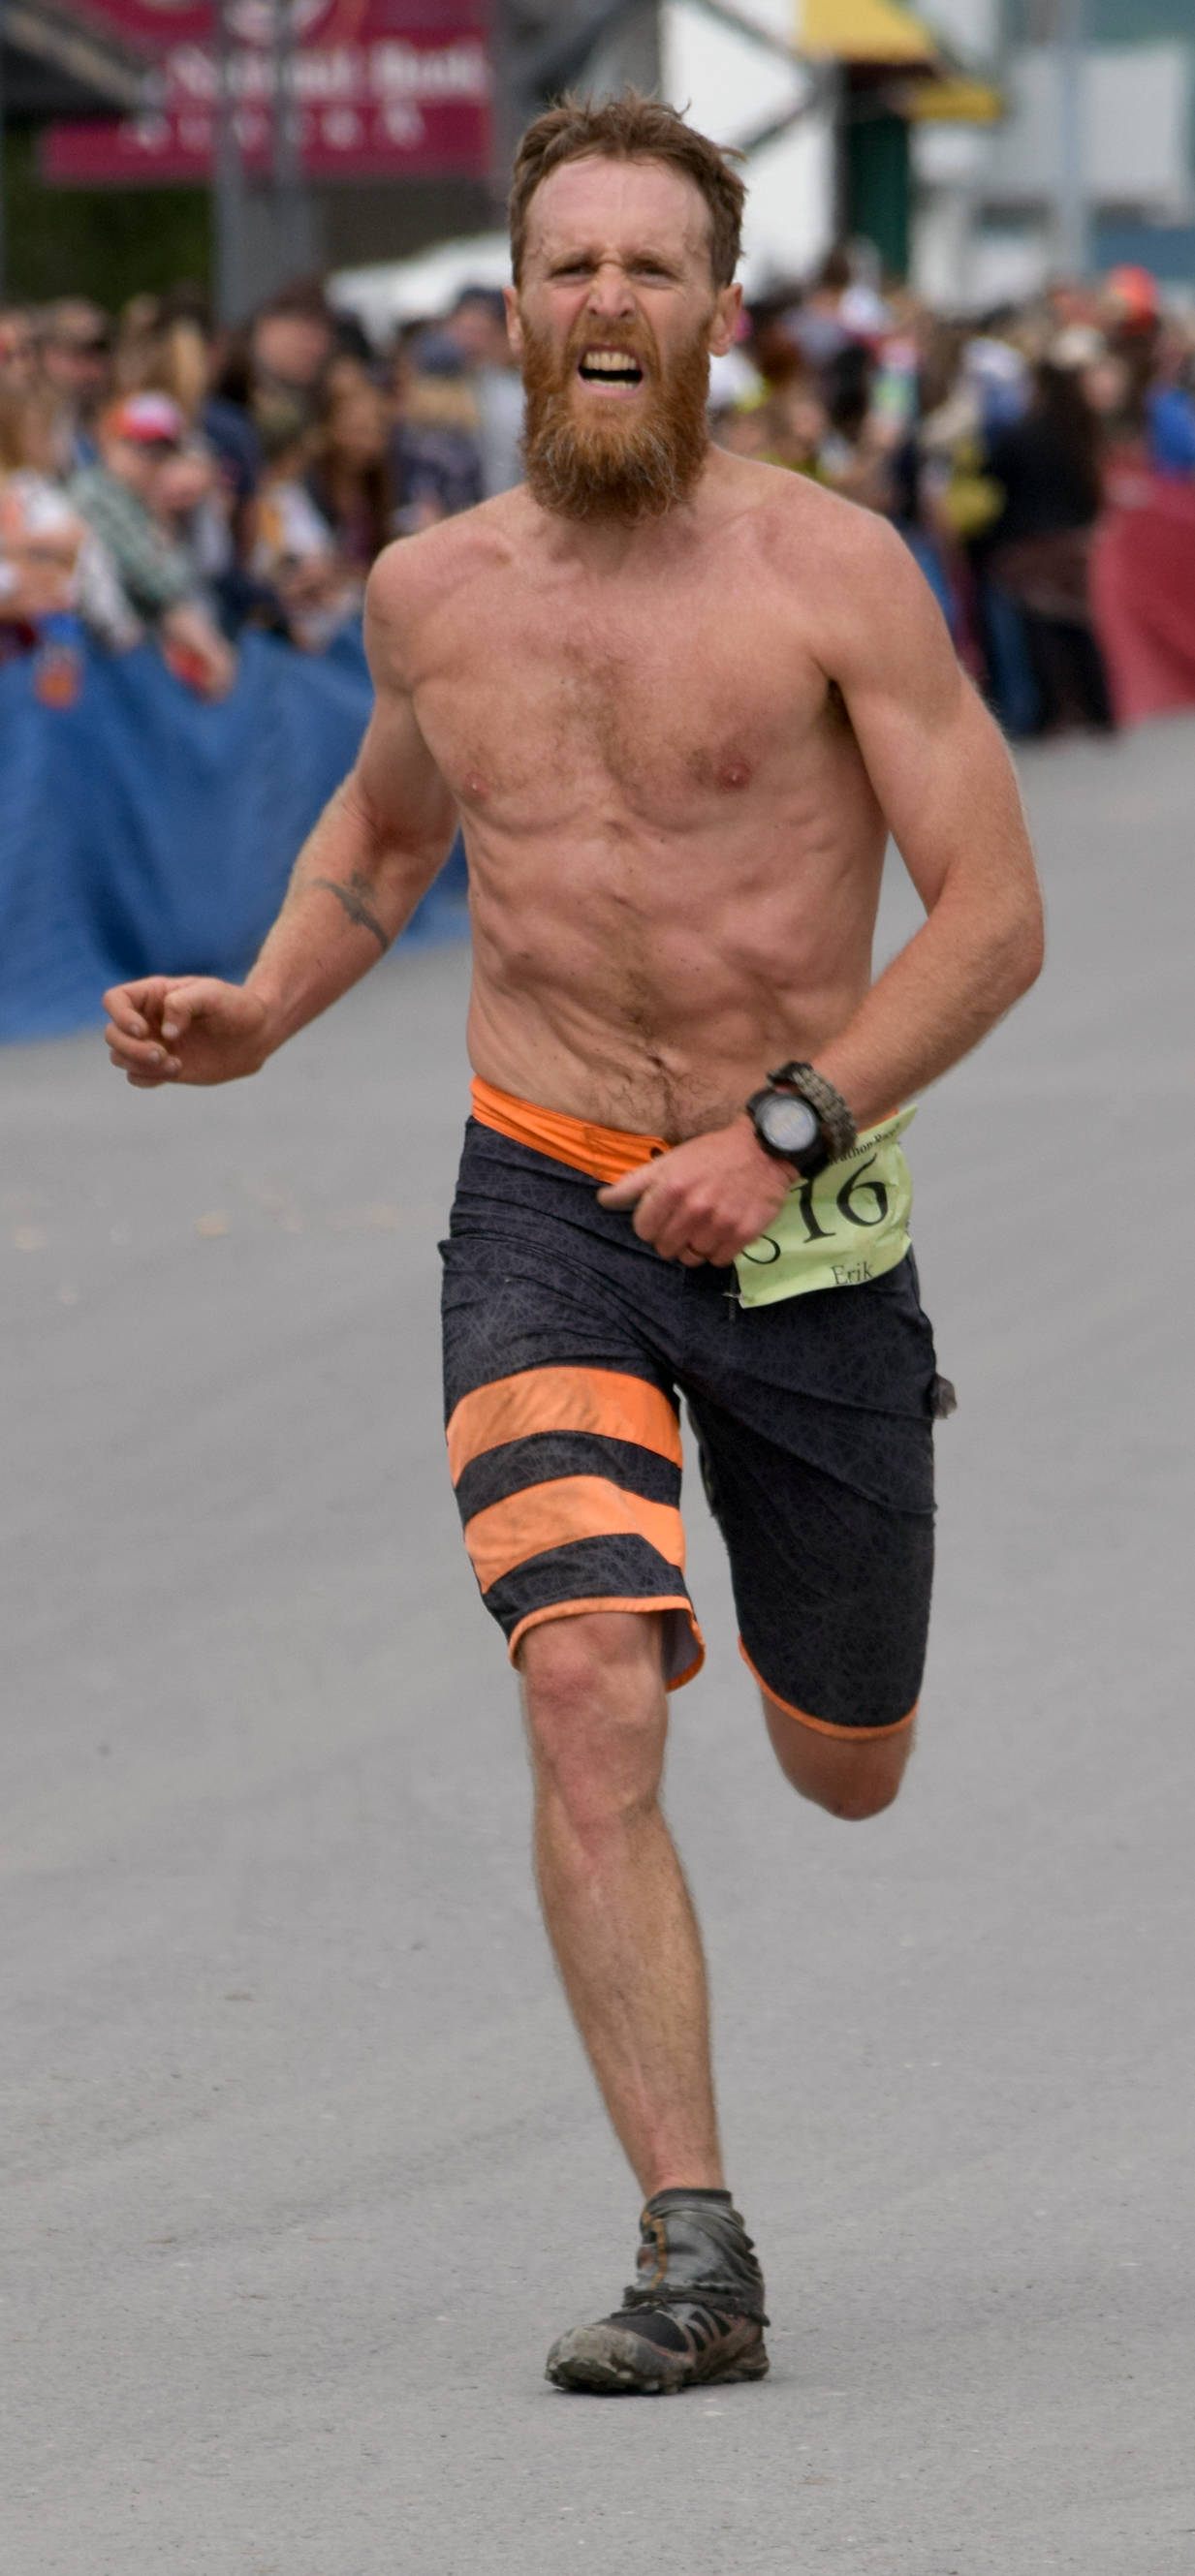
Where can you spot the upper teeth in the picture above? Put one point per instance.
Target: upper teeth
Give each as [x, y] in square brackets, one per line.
[611, 362]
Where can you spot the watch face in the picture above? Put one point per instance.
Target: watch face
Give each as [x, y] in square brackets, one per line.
[789, 1124]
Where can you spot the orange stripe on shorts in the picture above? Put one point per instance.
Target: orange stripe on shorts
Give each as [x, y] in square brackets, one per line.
[567, 1508]
[607, 1401]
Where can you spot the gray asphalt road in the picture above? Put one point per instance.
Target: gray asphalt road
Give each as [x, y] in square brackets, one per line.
[305, 2170]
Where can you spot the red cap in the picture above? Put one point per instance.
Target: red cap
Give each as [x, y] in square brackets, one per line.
[147, 420]
[1136, 292]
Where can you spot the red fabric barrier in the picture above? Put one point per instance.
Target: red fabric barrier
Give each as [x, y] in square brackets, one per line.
[1143, 591]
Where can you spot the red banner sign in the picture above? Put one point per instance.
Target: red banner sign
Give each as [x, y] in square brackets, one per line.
[375, 96]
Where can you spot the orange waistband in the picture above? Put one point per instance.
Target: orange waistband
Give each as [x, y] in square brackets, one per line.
[605, 1153]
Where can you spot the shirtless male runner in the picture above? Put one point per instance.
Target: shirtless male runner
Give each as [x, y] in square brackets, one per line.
[678, 699]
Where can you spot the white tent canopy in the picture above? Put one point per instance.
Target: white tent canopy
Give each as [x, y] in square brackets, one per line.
[419, 289]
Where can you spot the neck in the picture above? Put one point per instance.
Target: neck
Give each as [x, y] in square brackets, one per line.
[607, 546]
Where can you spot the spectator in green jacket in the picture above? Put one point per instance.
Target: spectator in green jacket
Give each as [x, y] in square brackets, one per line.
[138, 439]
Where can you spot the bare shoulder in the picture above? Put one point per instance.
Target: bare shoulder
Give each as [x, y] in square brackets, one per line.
[417, 576]
[804, 530]
[864, 607]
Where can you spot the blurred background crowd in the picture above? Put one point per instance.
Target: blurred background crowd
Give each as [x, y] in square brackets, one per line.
[160, 481]
[165, 482]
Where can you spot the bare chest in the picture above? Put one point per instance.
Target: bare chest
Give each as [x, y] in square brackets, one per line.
[661, 711]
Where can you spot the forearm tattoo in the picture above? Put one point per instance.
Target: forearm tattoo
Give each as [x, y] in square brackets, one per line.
[352, 897]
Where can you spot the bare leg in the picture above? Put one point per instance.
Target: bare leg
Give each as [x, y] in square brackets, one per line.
[615, 1902]
[853, 1775]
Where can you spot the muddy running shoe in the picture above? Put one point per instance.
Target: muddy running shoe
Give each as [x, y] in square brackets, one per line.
[694, 2313]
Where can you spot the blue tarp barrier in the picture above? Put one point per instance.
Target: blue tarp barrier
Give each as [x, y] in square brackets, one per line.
[142, 832]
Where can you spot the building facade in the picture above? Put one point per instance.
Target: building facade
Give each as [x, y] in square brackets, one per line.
[1091, 163]
[1113, 125]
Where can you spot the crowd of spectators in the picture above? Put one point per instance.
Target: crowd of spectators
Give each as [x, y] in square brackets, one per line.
[992, 444]
[161, 481]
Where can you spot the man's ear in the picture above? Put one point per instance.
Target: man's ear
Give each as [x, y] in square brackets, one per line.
[514, 327]
[724, 327]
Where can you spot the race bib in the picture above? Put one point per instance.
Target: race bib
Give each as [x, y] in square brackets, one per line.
[848, 1225]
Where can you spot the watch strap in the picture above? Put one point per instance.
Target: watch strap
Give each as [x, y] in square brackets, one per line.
[834, 1117]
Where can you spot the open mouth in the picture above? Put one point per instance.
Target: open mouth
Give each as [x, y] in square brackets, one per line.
[615, 370]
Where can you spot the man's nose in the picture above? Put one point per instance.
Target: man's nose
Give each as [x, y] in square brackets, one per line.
[610, 293]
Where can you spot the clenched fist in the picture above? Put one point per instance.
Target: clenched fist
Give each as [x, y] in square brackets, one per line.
[707, 1198]
[184, 1028]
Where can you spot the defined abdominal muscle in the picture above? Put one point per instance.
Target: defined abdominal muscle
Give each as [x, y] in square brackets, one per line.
[661, 1026]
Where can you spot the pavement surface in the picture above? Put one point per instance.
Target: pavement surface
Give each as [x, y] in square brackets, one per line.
[305, 2169]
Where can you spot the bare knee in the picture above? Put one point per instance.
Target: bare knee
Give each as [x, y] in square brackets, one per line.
[596, 1713]
[851, 1776]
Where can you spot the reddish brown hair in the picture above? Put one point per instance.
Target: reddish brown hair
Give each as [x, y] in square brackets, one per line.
[629, 128]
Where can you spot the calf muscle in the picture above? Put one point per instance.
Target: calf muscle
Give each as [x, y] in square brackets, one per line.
[614, 1897]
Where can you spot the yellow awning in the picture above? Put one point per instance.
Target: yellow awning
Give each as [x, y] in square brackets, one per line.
[864, 31]
[956, 102]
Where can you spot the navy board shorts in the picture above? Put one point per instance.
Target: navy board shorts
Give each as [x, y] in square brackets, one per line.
[568, 1346]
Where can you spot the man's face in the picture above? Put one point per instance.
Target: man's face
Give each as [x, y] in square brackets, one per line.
[292, 347]
[137, 463]
[480, 333]
[77, 364]
[614, 321]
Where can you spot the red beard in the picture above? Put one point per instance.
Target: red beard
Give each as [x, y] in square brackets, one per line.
[609, 466]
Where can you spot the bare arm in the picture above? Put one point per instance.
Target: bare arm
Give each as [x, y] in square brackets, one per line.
[947, 789]
[373, 853]
[356, 882]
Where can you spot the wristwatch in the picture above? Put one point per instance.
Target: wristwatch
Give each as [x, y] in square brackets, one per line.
[801, 1119]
